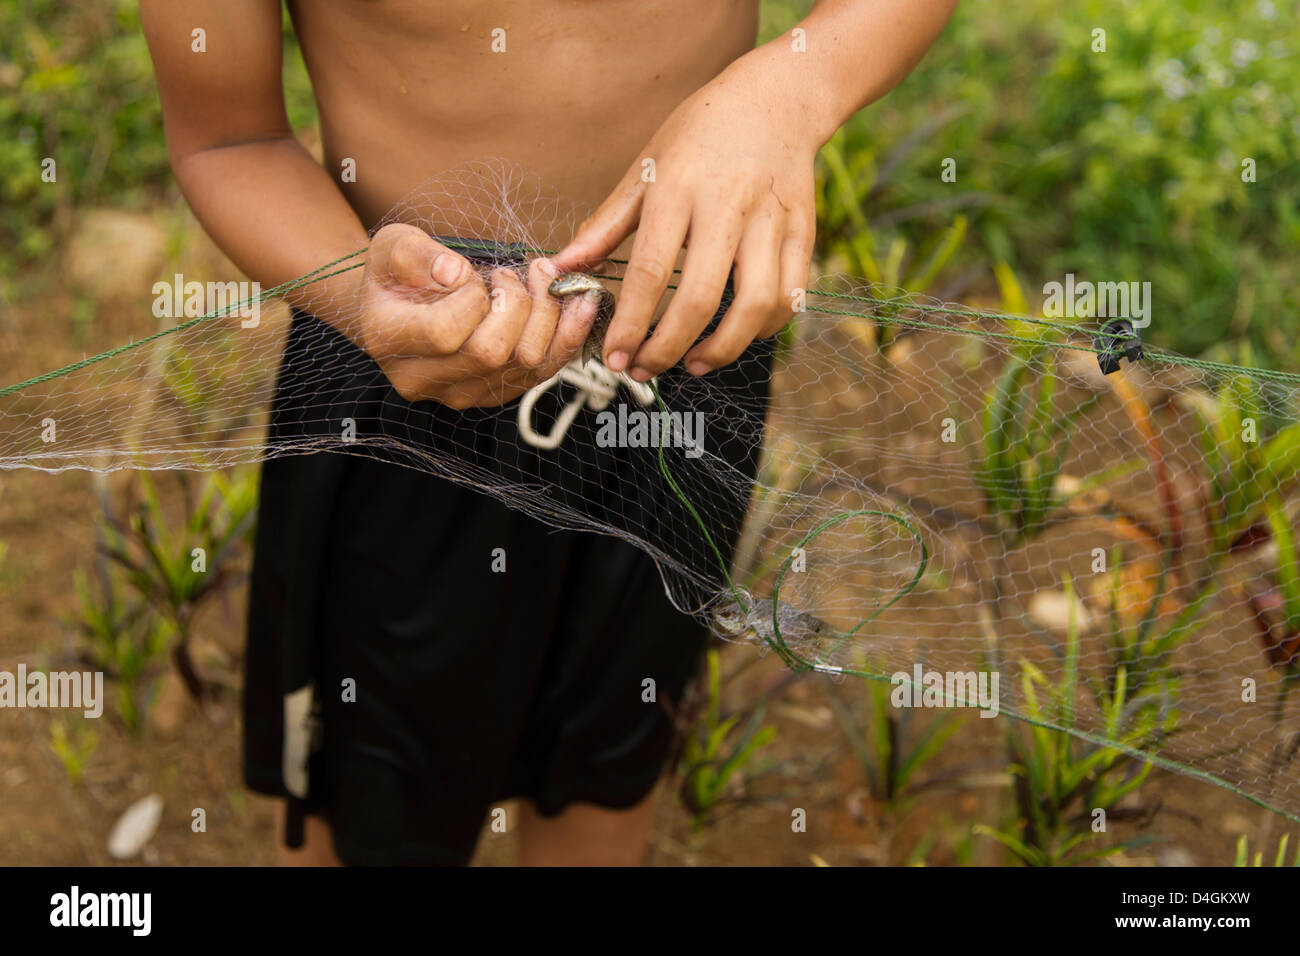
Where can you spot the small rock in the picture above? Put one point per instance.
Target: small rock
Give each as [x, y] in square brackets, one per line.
[1051, 609]
[1175, 856]
[15, 776]
[135, 828]
[1067, 485]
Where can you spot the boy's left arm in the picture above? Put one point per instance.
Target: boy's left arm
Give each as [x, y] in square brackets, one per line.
[729, 177]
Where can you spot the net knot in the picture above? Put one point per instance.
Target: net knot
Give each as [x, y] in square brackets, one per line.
[596, 387]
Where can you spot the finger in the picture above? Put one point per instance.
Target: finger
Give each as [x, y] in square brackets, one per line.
[462, 395]
[494, 341]
[703, 280]
[535, 341]
[403, 329]
[442, 327]
[449, 323]
[758, 296]
[421, 379]
[607, 227]
[796, 260]
[576, 320]
[659, 239]
[407, 258]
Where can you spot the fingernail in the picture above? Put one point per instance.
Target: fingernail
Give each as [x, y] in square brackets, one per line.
[697, 367]
[548, 268]
[617, 361]
[446, 269]
[639, 374]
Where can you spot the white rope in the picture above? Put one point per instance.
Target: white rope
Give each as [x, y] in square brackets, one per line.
[596, 387]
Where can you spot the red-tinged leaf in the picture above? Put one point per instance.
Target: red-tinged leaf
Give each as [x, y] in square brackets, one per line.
[1251, 538]
[1281, 648]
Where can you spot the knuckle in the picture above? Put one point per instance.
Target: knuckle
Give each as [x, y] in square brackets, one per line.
[530, 356]
[406, 386]
[490, 354]
[801, 228]
[477, 300]
[657, 354]
[405, 253]
[442, 339]
[654, 364]
[765, 301]
[384, 241]
[696, 302]
[718, 352]
[510, 300]
[647, 273]
[800, 253]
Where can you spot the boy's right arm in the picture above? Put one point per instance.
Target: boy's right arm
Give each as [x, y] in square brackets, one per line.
[418, 308]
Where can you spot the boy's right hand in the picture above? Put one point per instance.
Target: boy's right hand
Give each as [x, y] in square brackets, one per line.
[440, 333]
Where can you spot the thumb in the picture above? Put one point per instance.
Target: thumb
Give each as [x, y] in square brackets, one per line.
[403, 256]
[613, 222]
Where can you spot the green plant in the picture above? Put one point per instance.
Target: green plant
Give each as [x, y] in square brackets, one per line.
[77, 86]
[1258, 860]
[1138, 656]
[1024, 432]
[1245, 506]
[846, 182]
[123, 640]
[74, 741]
[1062, 781]
[1276, 610]
[957, 839]
[1125, 164]
[175, 569]
[1248, 475]
[717, 756]
[1022, 447]
[889, 745]
[77, 89]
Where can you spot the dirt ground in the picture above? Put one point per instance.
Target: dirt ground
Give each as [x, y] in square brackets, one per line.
[191, 757]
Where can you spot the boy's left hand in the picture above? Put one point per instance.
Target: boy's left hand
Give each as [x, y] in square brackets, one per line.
[728, 177]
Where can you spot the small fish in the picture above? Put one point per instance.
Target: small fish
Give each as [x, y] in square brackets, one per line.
[579, 283]
[797, 627]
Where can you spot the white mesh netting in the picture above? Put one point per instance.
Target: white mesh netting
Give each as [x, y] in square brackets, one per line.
[927, 483]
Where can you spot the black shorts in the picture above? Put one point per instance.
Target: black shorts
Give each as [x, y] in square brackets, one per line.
[442, 684]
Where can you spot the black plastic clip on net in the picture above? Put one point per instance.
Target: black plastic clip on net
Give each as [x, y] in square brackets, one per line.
[1117, 339]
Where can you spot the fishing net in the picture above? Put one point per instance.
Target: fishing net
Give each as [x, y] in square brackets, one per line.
[892, 488]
